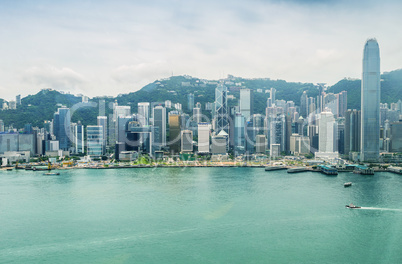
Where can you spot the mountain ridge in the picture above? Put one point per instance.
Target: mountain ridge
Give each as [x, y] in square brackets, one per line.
[42, 105]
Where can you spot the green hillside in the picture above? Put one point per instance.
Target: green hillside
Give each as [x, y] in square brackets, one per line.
[41, 106]
[391, 89]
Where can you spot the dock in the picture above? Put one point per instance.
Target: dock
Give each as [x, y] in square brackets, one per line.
[397, 170]
[327, 170]
[363, 170]
[298, 169]
[273, 168]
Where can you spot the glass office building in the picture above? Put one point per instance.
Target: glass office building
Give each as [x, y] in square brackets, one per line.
[370, 102]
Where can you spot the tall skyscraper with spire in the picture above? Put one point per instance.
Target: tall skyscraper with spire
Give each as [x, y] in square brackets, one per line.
[370, 104]
[221, 109]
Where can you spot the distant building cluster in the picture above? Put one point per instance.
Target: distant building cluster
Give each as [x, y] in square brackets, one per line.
[322, 126]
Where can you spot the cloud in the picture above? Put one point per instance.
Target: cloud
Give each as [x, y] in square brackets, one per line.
[121, 46]
[55, 78]
[138, 75]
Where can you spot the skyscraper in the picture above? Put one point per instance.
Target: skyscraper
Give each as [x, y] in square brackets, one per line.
[352, 131]
[102, 121]
[78, 137]
[221, 109]
[203, 137]
[272, 94]
[95, 140]
[370, 102]
[303, 104]
[246, 103]
[326, 136]
[160, 125]
[190, 101]
[143, 113]
[343, 103]
[62, 128]
[186, 141]
[174, 132]
[197, 115]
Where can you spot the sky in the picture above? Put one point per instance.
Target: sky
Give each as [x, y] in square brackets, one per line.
[115, 47]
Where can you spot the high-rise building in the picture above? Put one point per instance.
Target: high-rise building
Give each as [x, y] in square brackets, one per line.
[139, 138]
[1, 125]
[143, 113]
[304, 104]
[186, 141]
[221, 109]
[352, 131]
[246, 102]
[219, 144]
[122, 122]
[62, 128]
[370, 102]
[18, 99]
[331, 102]
[343, 103]
[260, 144]
[299, 144]
[396, 137]
[239, 136]
[174, 132]
[159, 115]
[197, 115]
[273, 94]
[78, 138]
[277, 131]
[95, 140]
[118, 110]
[203, 137]
[326, 136]
[102, 121]
[190, 101]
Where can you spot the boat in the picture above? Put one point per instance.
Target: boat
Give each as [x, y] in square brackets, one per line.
[352, 206]
[52, 173]
[347, 184]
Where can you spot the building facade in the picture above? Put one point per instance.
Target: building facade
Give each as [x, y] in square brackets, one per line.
[370, 102]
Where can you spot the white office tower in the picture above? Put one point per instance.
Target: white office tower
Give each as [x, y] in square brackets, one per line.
[326, 135]
[143, 113]
[246, 103]
[203, 137]
[78, 138]
[370, 103]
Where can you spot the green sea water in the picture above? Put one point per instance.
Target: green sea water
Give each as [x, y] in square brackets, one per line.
[199, 215]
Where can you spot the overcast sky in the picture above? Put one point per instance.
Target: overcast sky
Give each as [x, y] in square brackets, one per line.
[112, 47]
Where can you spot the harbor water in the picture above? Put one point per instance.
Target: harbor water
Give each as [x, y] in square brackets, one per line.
[199, 215]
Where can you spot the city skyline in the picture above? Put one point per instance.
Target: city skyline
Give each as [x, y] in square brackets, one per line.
[120, 45]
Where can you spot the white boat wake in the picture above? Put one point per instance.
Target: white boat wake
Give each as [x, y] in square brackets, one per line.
[381, 209]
